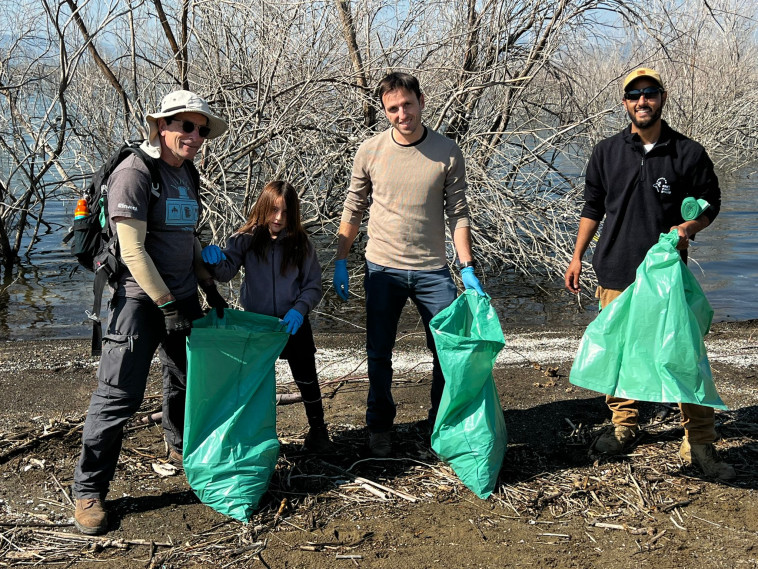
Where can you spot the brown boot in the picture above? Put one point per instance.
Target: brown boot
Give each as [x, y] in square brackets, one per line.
[90, 517]
[173, 457]
[705, 457]
[615, 439]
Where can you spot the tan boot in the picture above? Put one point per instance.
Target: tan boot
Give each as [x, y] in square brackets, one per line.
[90, 517]
[615, 439]
[705, 457]
[685, 451]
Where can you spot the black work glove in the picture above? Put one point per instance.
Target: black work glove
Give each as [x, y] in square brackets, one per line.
[174, 319]
[214, 299]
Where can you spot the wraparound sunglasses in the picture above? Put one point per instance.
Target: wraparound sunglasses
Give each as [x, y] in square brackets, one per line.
[189, 126]
[634, 94]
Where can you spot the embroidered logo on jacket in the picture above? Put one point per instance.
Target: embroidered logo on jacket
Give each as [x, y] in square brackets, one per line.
[662, 186]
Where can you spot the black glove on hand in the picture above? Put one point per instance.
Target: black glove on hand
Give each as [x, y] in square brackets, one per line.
[214, 299]
[174, 319]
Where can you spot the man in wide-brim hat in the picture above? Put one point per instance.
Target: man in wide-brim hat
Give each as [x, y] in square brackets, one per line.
[155, 293]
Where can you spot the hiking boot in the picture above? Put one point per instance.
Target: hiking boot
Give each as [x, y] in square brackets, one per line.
[615, 439]
[90, 517]
[380, 444]
[705, 457]
[173, 457]
[317, 441]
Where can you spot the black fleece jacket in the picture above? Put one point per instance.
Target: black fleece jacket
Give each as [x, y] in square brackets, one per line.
[640, 195]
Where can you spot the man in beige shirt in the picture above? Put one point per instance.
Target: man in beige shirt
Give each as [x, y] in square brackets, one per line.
[413, 178]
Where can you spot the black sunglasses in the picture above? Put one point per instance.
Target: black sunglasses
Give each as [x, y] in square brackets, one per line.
[649, 92]
[189, 126]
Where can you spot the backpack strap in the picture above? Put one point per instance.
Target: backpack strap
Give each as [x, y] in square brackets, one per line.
[106, 266]
[97, 328]
[195, 180]
[152, 166]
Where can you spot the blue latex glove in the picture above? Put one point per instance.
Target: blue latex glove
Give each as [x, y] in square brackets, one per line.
[293, 319]
[213, 255]
[341, 278]
[470, 281]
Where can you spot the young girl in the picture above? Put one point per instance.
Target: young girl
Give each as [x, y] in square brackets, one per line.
[282, 279]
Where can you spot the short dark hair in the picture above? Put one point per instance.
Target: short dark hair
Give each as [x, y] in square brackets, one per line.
[398, 80]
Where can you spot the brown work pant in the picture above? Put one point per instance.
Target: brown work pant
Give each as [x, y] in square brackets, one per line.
[698, 421]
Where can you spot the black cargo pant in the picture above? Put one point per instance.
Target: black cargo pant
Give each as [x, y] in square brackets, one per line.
[135, 330]
[300, 353]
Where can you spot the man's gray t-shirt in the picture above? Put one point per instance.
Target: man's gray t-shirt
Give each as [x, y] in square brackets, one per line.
[171, 222]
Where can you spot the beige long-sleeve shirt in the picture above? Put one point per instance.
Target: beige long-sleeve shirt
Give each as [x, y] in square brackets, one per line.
[411, 189]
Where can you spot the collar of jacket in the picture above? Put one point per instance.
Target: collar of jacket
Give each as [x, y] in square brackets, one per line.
[633, 139]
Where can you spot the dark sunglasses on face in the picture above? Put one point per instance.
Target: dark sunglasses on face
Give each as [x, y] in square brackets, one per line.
[649, 92]
[189, 126]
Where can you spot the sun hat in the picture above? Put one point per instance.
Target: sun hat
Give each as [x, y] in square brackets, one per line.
[175, 103]
[643, 72]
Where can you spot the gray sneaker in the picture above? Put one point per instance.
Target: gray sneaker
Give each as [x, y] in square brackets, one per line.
[615, 439]
[705, 457]
[380, 444]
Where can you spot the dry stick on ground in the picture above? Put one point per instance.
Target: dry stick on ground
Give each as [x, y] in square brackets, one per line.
[23, 445]
[65, 494]
[103, 541]
[361, 480]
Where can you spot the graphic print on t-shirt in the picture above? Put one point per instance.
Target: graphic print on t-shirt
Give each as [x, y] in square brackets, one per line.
[182, 210]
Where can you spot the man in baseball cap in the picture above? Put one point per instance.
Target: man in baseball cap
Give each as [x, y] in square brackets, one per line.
[635, 183]
[155, 296]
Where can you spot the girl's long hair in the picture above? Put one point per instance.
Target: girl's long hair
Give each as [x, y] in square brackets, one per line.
[294, 242]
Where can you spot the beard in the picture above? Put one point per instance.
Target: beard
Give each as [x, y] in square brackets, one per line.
[642, 124]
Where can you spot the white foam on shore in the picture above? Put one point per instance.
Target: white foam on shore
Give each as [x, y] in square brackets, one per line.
[525, 348]
[538, 347]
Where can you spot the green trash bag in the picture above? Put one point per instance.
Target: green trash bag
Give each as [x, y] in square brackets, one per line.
[230, 443]
[693, 208]
[647, 344]
[469, 433]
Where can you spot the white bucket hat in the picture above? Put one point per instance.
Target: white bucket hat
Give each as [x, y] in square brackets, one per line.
[175, 103]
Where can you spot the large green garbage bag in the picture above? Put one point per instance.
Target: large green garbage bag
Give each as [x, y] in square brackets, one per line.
[647, 344]
[469, 433]
[230, 443]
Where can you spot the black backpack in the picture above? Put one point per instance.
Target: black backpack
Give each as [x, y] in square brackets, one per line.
[93, 243]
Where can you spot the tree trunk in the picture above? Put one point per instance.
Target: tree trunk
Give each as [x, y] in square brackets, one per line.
[348, 29]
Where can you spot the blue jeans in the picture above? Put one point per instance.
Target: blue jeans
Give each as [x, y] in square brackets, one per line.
[387, 291]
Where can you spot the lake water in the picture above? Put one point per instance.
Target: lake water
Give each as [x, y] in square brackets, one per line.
[48, 297]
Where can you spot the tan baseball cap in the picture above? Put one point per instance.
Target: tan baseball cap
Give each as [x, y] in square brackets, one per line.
[643, 72]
